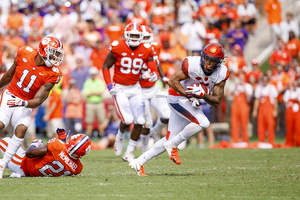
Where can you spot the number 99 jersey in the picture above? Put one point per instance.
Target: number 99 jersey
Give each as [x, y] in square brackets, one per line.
[129, 63]
[28, 77]
[56, 162]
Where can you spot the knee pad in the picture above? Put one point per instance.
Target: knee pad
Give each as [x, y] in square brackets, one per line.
[204, 123]
[128, 120]
[140, 120]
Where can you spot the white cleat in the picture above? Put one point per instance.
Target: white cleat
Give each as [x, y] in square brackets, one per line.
[118, 146]
[128, 157]
[137, 167]
[2, 168]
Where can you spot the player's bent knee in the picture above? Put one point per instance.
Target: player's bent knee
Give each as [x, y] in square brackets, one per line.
[128, 120]
[20, 131]
[205, 123]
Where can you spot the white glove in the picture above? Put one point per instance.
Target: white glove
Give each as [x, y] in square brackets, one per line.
[146, 75]
[113, 91]
[16, 102]
[37, 143]
[165, 80]
[153, 77]
[196, 91]
[195, 102]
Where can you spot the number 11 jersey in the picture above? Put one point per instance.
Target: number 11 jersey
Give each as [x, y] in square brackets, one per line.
[28, 77]
[129, 63]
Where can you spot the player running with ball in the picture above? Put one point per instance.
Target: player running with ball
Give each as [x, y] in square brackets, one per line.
[189, 86]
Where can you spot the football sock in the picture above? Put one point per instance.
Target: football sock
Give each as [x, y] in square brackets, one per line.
[120, 134]
[154, 151]
[188, 131]
[13, 146]
[158, 126]
[131, 146]
[145, 141]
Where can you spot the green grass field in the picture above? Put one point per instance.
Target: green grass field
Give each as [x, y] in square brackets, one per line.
[203, 174]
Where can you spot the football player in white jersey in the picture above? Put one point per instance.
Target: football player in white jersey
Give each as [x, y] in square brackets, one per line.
[128, 56]
[189, 86]
[150, 88]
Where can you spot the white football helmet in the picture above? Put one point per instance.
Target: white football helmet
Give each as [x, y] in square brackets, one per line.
[147, 34]
[133, 34]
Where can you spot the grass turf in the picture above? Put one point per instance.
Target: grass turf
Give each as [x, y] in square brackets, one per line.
[203, 174]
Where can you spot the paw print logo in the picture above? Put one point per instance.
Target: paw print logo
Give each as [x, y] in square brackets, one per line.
[46, 41]
[55, 69]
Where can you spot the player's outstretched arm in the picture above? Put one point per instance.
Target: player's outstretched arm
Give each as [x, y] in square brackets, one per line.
[175, 79]
[218, 93]
[41, 95]
[7, 77]
[37, 149]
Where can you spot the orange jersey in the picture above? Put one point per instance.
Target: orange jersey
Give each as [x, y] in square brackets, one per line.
[98, 57]
[114, 31]
[235, 64]
[28, 77]
[273, 8]
[294, 47]
[129, 63]
[55, 97]
[156, 51]
[56, 162]
[212, 34]
[140, 20]
[283, 57]
[209, 11]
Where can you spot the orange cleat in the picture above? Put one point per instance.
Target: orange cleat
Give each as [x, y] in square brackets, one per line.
[137, 167]
[173, 153]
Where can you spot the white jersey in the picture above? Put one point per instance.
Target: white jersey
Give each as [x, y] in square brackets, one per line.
[191, 66]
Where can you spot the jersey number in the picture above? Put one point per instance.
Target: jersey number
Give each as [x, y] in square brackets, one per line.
[32, 79]
[55, 169]
[127, 62]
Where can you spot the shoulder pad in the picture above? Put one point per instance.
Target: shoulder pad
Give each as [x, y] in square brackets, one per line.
[147, 45]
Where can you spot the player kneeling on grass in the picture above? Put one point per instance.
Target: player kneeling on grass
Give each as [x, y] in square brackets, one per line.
[189, 86]
[56, 158]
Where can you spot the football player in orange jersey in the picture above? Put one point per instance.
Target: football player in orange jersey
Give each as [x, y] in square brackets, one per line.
[150, 88]
[30, 79]
[129, 56]
[56, 158]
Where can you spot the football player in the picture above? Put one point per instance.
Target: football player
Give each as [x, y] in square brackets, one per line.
[150, 88]
[30, 79]
[56, 158]
[129, 56]
[189, 86]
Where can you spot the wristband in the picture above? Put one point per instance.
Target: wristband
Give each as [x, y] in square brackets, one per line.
[109, 86]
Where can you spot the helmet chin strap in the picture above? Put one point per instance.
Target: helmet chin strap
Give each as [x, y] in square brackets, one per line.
[47, 62]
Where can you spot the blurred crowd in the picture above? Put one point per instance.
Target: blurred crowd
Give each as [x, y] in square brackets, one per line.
[86, 28]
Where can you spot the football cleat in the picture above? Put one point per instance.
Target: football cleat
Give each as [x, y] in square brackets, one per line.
[2, 168]
[137, 167]
[118, 146]
[173, 153]
[128, 157]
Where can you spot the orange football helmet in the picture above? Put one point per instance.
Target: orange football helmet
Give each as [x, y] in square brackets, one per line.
[133, 34]
[51, 50]
[213, 52]
[78, 146]
[147, 34]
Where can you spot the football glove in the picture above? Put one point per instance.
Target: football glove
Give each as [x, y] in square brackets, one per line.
[195, 102]
[62, 135]
[37, 143]
[16, 102]
[197, 91]
[165, 80]
[145, 75]
[153, 77]
[112, 89]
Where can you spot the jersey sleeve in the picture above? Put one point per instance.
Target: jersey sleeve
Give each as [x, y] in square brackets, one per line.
[114, 47]
[55, 145]
[54, 76]
[223, 74]
[274, 92]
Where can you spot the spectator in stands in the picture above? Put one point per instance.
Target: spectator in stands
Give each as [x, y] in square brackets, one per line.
[265, 109]
[137, 15]
[114, 29]
[72, 56]
[80, 73]
[54, 113]
[231, 10]
[178, 42]
[91, 35]
[281, 81]
[223, 25]
[50, 19]
[111, 126]
[280, 55]
[196, 34]
[64, 23]
[167, 57]
[158, 15]
[291, 99]
[293, 45]
[34, 37]
[145, 5]
[255, 71]
[74, 108]
[86, 50]
[273, 8]
[13, 40]
[238, 35]
[212, 33]
[115, 8]
[242, 92]
[236, 62]
[209, 12]
[247, 12]
[293, 67]
[184, 13]
[36, 21]
[289, 25]
[15, 19]
[93, 89]
[26, 17]
[127, 6]
[98, 55]
[89, 8]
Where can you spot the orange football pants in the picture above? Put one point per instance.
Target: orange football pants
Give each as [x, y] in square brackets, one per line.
[292, 119]
[239, 118]
[265, 120]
